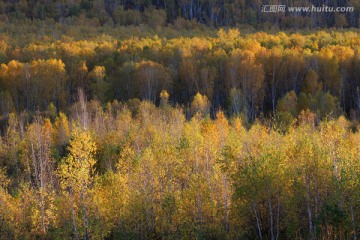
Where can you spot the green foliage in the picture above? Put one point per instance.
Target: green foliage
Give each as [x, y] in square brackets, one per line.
[288, 104]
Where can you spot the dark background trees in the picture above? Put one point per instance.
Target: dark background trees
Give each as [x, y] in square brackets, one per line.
[157, 13]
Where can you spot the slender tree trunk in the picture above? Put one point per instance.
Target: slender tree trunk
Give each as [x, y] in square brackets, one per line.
[42, 207]
[73, 215]
[41, 165]
[336, 175]
[273, 90]
[353, 221]
[271, 213]
[257, 220]
[84, 214]
[226, 206]
[39, 182]
[309, 212]
[278, 217]
[315, 207]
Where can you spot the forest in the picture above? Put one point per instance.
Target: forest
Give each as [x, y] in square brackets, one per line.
[213, 13]
[185, 119]
[253, 74]
[137, 171]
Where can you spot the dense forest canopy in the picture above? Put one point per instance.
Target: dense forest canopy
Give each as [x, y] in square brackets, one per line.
[250, 73]
[160, 12]
[186, 119]
[137, 171]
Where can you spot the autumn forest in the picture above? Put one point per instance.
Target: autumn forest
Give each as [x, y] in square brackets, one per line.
[188, 119]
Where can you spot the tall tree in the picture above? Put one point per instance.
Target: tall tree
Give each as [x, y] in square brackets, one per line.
[76, 173]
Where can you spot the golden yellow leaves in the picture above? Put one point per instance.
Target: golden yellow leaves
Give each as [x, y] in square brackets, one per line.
[200, 105]
[77, 170]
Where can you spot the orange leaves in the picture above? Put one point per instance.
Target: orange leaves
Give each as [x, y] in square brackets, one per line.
[250, 71]
[13, 77]
[98, 72]
[12, 70]
[27, 83]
